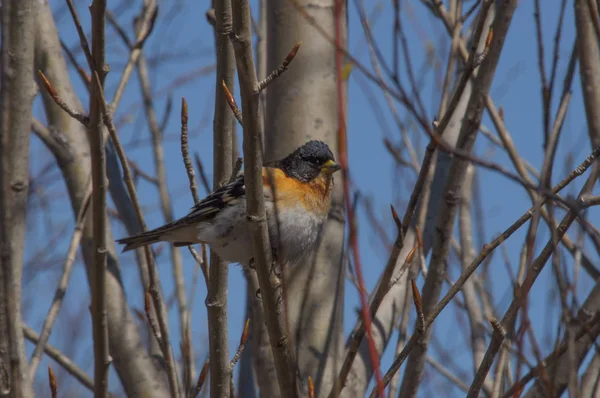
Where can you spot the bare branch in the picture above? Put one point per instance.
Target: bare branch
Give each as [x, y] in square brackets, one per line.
[144, 29]
[468, 271]
[185, 151]
[165, 200]
[81, 118]
[255, 211]
[201, 378]
[150, 317]
[216, 300]
[277, 72]
[96, 133]
[445, 222]
[241, 346]
[61, 359]
[522, 291]
[62, 286]
[132, 362]
[201, 261]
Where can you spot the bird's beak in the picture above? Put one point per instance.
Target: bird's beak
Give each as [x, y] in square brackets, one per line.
[330, 167]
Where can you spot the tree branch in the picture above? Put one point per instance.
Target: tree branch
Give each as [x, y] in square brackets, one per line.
[96, 130]
[216, 299]
[255, 211]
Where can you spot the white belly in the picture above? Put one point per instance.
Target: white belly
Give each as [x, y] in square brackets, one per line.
[293, 238]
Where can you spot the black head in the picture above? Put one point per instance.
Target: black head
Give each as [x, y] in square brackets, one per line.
[309, 161]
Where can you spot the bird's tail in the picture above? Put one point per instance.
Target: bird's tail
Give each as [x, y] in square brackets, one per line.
[143, 239]
[177, 232]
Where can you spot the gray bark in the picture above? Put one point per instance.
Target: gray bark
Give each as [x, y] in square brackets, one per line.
[18, 91]
[302, 104]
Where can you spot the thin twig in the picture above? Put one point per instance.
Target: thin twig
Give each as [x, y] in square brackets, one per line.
[468, 271]
[185, 151]
[166, 206]
[366, 314]
[201, 378]
[150, 317]
[358, 332]
[522, 291]
[80, 117]
[277, 72]
[145, 27]
[80, 71]
[200, 261]
[551, 358]
[61, 359]
[241, 346]
[62, 285]
[203, 178]
[154, 286]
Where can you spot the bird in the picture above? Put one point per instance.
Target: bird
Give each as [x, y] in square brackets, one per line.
[297, 193]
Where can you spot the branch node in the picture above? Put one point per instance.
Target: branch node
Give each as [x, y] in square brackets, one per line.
[232, 105]
[279, 70]
[418, 306]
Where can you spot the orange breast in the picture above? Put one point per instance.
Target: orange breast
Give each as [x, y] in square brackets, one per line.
[314, 196]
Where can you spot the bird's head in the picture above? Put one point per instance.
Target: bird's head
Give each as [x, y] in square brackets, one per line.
[313, 159]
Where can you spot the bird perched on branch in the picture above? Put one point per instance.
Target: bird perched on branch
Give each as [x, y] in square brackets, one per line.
[297, 191]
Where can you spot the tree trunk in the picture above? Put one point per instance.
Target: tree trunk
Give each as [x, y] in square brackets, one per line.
[302, 104]
[18, 91]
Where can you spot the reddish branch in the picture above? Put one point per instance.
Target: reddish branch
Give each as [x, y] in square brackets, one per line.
[353, 238]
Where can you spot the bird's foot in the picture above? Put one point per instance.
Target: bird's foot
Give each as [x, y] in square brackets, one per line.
[276, 265]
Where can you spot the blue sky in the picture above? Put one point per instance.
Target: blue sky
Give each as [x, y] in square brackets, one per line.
[186, 45]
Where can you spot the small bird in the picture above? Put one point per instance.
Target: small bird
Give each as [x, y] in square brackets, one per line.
[297, 192]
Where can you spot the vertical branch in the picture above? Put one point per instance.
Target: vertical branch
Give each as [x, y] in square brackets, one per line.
[353, 238]
[98, 157]
[255, 207]
[165, 202]
[216, 300]
[472, 305]
[18, 33]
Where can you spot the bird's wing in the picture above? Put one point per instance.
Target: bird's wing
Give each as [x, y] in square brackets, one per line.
[226, 196]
